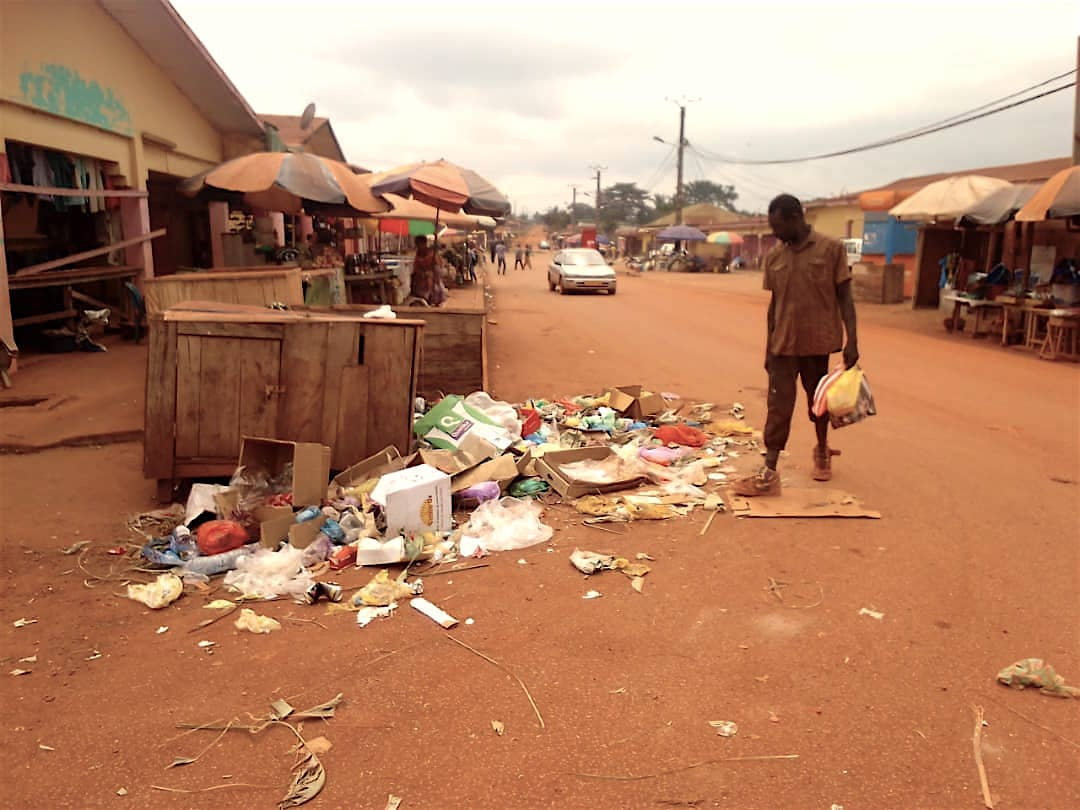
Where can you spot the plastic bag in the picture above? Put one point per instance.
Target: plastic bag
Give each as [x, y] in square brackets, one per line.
[501, 413]
[317, 550]
[843, 395]
[266, 574]
[217, 563]
[506, 524]
[163, 591]
[219, 536]
[681, 434]
[447, 425]
[254, 623]
[820, 405]
[864, 405]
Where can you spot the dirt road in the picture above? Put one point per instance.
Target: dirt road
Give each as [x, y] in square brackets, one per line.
[973, 462]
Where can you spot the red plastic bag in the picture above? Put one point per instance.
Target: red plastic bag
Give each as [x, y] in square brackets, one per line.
[681, 434]
[219, 536]
[530, 421]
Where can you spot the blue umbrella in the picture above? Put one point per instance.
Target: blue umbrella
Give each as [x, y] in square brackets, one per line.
[678, 233]
[603, 240]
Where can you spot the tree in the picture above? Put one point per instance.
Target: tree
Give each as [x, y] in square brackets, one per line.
[624, 203]
[663, 204]
[555, 218]
[583, 212]
[706, 191]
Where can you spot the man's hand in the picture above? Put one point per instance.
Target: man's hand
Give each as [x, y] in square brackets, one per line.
[851, 355]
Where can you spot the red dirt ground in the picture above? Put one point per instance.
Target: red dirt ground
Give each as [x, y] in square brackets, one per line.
[974, 564]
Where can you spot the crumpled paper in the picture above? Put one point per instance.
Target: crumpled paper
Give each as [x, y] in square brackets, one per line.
[254, 623]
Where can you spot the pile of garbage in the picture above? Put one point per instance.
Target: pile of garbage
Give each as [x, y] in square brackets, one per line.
[281, 522]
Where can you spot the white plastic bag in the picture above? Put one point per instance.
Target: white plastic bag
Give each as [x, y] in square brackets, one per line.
[506, 524]
[267, 574]
[501, 413]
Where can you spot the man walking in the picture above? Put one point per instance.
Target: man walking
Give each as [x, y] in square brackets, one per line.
[519, 257]
[810, 310]
[500, 255]
[528, 256]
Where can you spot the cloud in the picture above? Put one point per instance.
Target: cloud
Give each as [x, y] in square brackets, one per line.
[531, 95]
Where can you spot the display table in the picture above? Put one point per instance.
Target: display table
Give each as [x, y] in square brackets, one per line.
[1054, 333]
[379, 286]
[981, 312]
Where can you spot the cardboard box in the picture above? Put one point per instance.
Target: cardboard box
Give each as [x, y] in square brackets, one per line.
[277, 523]
[415, 500]
[310, 463]
[550, 469]
[502, 470]
[386, 460]
[634, 403]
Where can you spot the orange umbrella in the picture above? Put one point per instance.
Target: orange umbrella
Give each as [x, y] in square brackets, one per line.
[291, 182]
[445, 186]
[1058, 198]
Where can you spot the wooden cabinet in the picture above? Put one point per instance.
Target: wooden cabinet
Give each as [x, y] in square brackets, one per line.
[218, 372]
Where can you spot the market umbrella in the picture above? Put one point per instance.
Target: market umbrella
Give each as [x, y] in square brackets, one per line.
[999, 206]
[291, 182]
[677, 233]
[724, 238]
[402, 208]
[948, 198]
[1059, 197]
[445, 186]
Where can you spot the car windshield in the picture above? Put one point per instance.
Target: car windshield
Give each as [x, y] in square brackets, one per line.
[584, 259]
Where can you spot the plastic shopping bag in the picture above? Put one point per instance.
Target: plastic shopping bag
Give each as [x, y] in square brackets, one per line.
[821, 402]
[853, 398]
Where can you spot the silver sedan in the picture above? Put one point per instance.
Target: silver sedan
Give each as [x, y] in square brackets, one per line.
[580, 269]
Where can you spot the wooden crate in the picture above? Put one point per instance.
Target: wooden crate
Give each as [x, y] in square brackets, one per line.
[217, 372]
[455, 350]
[247, 287]
[878, 284]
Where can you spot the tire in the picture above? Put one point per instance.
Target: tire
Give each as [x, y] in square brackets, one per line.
[551, 284]
[562, 289]
[611, 291]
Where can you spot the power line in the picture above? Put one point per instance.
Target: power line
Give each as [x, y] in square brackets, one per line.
[929, 129]
[661, 171]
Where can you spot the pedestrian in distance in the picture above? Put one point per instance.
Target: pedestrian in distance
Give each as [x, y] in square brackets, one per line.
[528, 256]
[500, 254]
[519, 257]
[491, 248]
[810, 311]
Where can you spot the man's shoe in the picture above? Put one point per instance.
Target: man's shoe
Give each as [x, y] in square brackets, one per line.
[823, 463]
[766, 482]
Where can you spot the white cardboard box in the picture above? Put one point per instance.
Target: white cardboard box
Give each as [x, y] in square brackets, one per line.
[415, 500]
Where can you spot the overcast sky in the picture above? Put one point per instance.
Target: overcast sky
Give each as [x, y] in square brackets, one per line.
[530, 95]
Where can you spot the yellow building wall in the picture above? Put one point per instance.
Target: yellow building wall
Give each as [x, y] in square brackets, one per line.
[68, 61]
[832, 221]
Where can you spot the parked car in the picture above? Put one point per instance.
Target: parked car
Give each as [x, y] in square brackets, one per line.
[853, 247]
[545, 245]
[580, 269]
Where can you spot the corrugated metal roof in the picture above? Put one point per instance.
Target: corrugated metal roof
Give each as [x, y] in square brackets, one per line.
[1033, 172]
[173, 46]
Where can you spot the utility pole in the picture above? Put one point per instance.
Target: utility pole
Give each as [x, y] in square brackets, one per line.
[598, 169]
[683, 143]
[573, 204]
[1076, 112]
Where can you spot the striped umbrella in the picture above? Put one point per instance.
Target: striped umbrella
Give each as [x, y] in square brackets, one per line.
[724, 238]
[445, 186]
[292, 182]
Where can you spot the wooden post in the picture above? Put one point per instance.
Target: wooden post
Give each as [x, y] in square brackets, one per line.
[7, 329]
[219, 224]
[135, 222]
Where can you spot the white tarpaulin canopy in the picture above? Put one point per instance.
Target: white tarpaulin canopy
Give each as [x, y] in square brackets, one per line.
[1000, 205]
[949, 198]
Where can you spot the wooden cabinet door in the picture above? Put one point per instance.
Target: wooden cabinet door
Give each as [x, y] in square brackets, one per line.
[226, 387]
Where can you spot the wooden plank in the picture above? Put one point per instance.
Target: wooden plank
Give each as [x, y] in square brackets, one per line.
[257, 331]
[303, 372]
[89, 254]
[341, 353]
[52, 191]
[188, 392]
[60, 315]
[391, 355]
[259, 380]
[77, 275]
[205, 468]
[160, 400]
[351, 443]
[219, 418]
[255, 288]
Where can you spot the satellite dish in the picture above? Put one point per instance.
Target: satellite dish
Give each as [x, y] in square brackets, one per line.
[307, 116]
